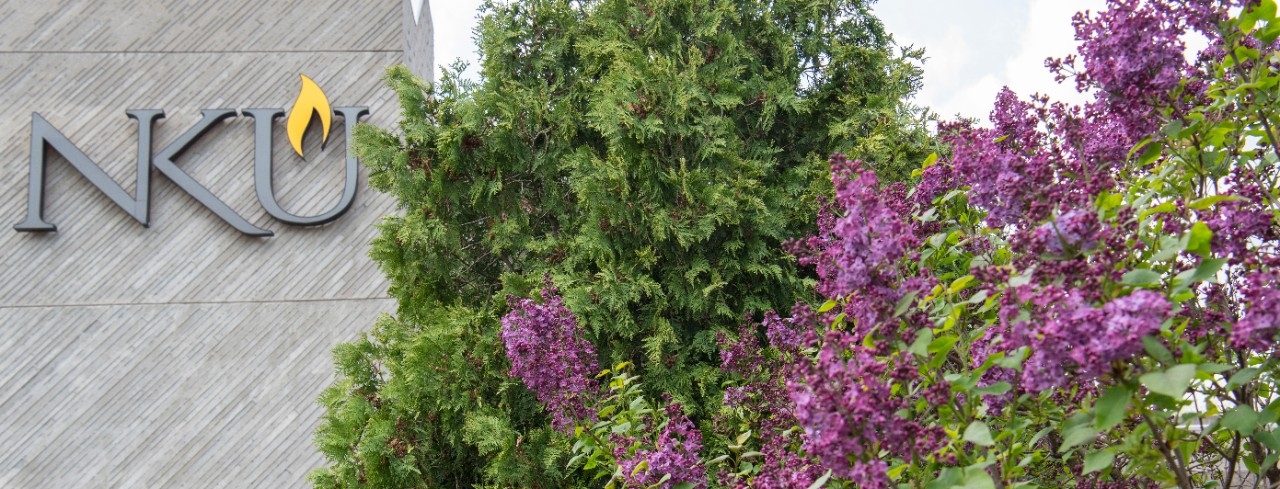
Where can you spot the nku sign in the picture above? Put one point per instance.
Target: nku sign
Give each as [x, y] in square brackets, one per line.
[311, 100]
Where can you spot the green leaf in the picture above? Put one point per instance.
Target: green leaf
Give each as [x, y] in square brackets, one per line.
[1201, 236]
[1207, 270]
[1242, 419]
[1096, 461]
[1077, 435]
[1156, 349]
[1162, 208]
[905, 302]
[978, 434]
[1213, 368]
[896, 472]
[1149, 154]
[959, 284]
[938, 240]
[1210, 201]
[1110, 408]
[1270, 439]
[1172, 382]
[1013, 360]
[1109, 200]
[977, 479]
[930, 161]
[1244, 376]
[947, 479]
[1268, 34]
[920, 346]
[943, 344]
[1140, 277]
[821, 480]
[1170, 247]
[1021, 279]
[827, 306]
[995, 389]
[644, 464]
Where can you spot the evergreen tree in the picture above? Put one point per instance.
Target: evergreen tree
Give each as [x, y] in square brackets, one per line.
[649, 157]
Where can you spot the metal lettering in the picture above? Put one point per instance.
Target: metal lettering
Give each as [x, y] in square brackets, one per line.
[262, 167]
[163, 161]
[45, 136]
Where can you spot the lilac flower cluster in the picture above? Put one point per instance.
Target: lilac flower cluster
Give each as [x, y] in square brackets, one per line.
[1237, 223]
[1133, 49]
[1071, 233]
[1005, 168]
[1068, 335]
[850, 413]
[857, 253]
[1257, 329]
[1133, 52]
[674, 453]
[549, 355]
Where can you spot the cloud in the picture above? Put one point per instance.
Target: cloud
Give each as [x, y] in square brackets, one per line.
[977, 47]
[1048, 34]
[966, 45]
[974, 47]
[453, 21]
[973, 99]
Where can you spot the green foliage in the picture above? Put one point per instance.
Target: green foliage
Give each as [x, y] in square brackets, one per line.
[651, 157]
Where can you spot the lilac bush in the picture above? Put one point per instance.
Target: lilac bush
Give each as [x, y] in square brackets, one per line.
[1077, 295]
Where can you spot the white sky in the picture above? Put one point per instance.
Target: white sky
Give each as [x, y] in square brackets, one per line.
[974, 47]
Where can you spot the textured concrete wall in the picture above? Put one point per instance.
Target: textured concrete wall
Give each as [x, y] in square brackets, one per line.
[183, 354]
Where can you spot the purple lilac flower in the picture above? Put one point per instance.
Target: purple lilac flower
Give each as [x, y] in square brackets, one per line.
[857, 252]
[1071, 340]
[675, 453]
[1125, 321]
[1238, 222]
[935, 181]
[849, 413]
[982, 349]
[762, 391]
[550, 357]
[786, 334]
[1257, 329]
[1072, 232]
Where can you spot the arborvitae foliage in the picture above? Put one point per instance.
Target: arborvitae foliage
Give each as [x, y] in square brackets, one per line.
[650, 157]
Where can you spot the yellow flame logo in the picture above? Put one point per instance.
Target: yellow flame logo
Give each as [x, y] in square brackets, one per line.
[311, 99]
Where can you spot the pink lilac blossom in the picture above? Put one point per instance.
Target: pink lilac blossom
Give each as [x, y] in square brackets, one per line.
[549, 355]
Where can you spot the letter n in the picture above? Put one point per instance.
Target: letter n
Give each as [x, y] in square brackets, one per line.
[44, 136]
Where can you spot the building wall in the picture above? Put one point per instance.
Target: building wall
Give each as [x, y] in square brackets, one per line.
[183, 354]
